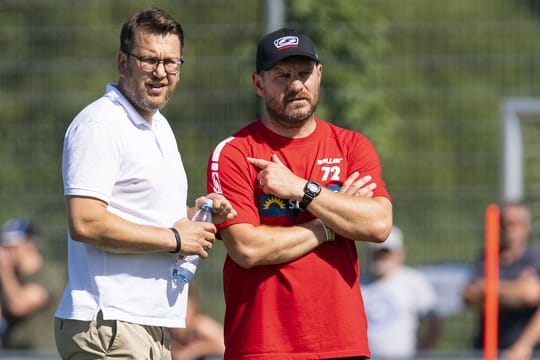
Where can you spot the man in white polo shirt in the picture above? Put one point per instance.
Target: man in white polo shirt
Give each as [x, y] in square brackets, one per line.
[126, 192]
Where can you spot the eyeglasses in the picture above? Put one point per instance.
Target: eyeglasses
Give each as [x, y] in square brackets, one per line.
[150, 64]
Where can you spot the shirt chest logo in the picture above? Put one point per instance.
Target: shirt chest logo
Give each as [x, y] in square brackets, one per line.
[270, 205]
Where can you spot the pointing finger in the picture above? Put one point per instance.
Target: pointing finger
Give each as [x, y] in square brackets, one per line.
[260, 163]
[276, 159]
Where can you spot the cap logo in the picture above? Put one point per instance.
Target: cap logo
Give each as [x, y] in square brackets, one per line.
[286, 42]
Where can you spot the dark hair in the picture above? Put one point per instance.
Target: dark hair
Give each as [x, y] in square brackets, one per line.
[153, 21]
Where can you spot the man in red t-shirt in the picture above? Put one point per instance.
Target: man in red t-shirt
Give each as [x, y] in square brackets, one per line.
[304, 189]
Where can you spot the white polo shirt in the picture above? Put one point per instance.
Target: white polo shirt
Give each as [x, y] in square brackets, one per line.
[111, 153]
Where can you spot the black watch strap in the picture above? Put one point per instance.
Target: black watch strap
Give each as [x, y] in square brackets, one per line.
[311, 191]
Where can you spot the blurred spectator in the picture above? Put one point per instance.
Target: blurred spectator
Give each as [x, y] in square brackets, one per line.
[398, 299]
[2, 324]
[29, 289]
[524, 347]
[202, 338]
[519, 286]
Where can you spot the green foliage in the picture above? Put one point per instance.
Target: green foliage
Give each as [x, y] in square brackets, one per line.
[350, 37]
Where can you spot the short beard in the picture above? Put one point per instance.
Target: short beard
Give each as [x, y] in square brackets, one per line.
[137, 95]
[148, 102]
[143, 103]
[288, 119]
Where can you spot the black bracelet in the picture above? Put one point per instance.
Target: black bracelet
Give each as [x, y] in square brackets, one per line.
[178, 241]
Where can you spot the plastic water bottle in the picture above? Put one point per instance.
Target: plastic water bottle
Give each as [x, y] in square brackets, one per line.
[185, 266]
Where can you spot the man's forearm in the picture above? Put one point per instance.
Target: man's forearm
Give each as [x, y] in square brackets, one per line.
[520, 293]
[250, 245]
[357, 218]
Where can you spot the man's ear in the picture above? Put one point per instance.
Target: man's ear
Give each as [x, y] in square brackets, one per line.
[122, 62]
[256, 79]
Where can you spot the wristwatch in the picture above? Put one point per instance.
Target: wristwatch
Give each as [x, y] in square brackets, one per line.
[311, 191]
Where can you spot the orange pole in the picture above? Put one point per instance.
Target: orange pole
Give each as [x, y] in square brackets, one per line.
[491, 300]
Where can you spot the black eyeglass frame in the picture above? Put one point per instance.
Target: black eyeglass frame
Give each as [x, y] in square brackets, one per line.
[154, 62]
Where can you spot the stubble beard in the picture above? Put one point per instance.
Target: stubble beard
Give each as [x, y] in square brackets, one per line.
[151, 102]
[138, 94]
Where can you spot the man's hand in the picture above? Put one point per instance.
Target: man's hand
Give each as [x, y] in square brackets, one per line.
[197, 237]
[276, 179]
[473, 293]
[222, 209]
[518, 352]
[358, 187]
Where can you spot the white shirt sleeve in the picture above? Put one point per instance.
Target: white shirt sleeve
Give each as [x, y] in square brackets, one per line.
[91, 160]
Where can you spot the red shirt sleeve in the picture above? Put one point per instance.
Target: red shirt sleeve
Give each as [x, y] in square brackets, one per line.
[230, 174]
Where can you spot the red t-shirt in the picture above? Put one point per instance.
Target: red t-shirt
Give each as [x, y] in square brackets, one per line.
[311, 307]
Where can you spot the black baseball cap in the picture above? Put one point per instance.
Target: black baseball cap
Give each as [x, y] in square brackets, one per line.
[281, 44]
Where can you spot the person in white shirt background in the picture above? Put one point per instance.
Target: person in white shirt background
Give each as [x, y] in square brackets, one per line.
[397, 299]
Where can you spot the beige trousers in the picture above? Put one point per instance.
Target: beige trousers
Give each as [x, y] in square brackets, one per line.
[110, 339]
